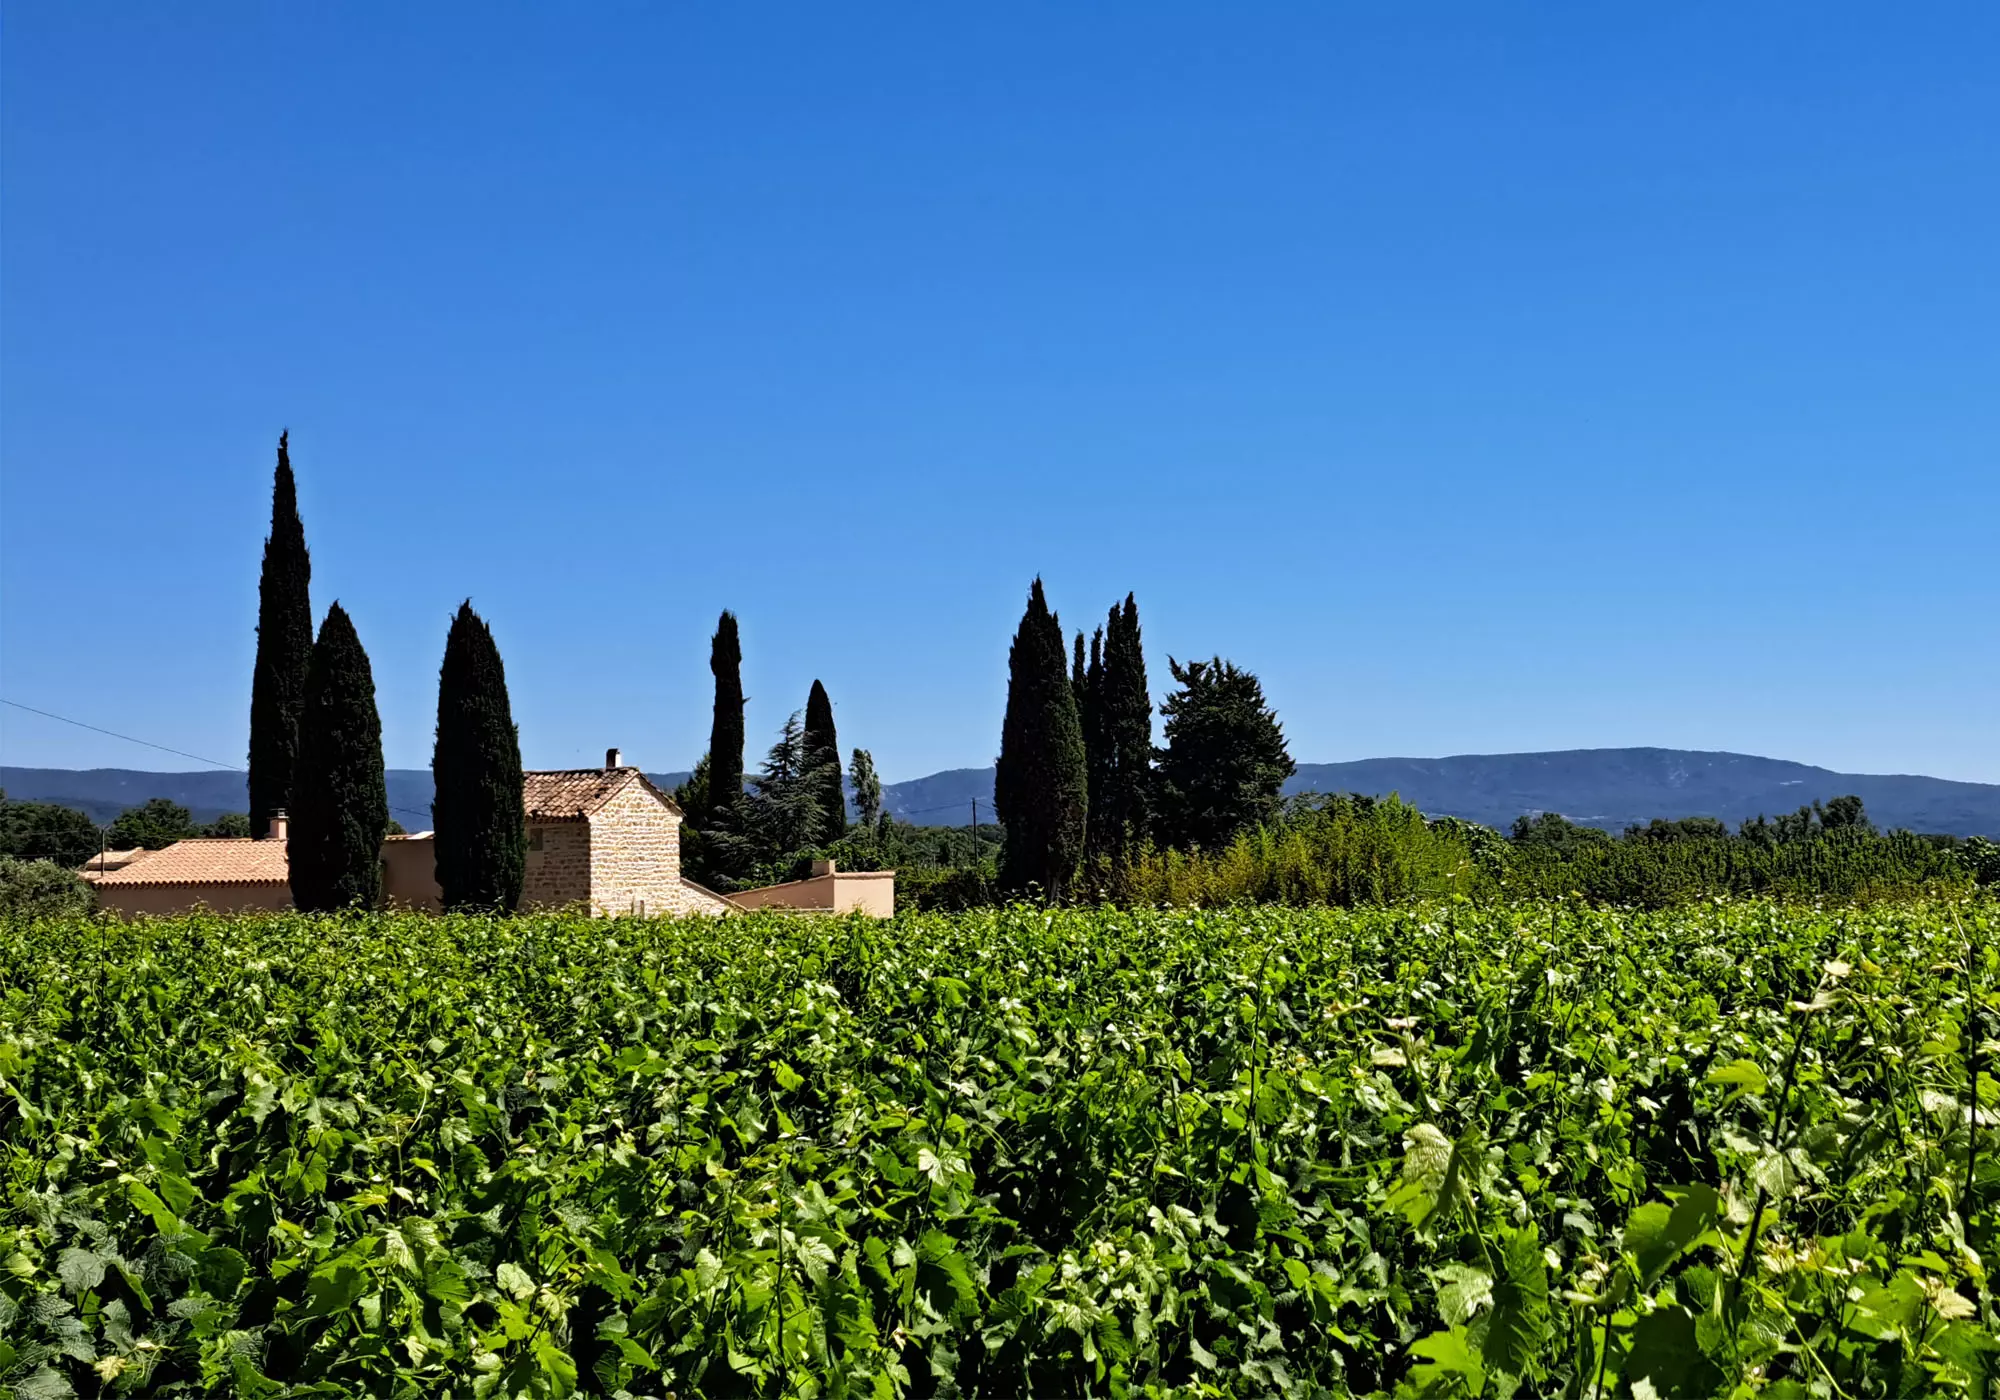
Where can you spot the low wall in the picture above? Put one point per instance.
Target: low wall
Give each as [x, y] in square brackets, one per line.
[870, 892]
[159, 901]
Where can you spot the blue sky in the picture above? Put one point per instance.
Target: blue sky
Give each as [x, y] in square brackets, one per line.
[1487, 378]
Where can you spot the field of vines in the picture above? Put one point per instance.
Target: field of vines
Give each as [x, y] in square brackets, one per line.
[1541, 1150]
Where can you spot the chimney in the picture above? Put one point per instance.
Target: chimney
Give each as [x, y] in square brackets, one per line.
[613, 759]
[279, 824]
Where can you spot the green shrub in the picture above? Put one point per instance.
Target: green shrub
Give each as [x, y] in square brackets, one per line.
[41, 889]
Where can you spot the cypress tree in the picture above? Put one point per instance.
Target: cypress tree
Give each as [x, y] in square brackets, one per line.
[284, 650]
[482, 833]
[725, 735]
[340, 805]
[1096, 750]
[823, 761]
[1040, 790]
[1122, 804]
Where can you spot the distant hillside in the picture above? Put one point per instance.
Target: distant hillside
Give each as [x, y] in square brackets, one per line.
[1604, 787]
[1610, 788]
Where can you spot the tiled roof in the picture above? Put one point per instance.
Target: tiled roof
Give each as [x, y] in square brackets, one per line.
[108, 861]
[214, 860]
[572, 794]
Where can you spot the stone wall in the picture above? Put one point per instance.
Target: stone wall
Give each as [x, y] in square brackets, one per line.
[558, 872]
[635, 859]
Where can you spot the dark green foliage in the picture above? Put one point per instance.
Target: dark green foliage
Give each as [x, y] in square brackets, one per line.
[40, 889]
[780, 821]
[1815, 819]
[1845, 865]
[1685, 828]
[822, 744]
[482, 832]
[691, 795]
[1333, 850]
[48, 831]
[1982, 858]
[1555, 831]
[236, 824]
[340, 806]
[1089, 687]
[1122, 752]
[1224, 762]
[867, 788]
[1352, 850]
[284, 650]
[1040, 787]
[1530, 1151]
[153, 824]
[725, 735]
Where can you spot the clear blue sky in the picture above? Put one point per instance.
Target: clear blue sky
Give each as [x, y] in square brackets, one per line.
[1485, 377]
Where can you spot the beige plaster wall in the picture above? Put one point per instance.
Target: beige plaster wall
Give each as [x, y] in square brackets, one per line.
[870, 892]
[136, 901]
[409, 874]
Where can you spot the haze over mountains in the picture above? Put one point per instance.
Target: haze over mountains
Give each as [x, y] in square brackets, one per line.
[1610, 788]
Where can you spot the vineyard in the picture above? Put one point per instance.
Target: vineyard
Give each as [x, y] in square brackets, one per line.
[1535, 1150]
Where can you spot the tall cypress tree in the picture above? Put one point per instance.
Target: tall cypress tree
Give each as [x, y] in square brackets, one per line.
[479, 811]
[725, 735]
[1097, 755]
[1039, 786]
[284, 650]
[340, 804]
[823, 761]
[1121, 807]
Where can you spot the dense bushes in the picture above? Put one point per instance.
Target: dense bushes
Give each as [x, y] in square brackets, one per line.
[1341, 851]
[40, 889]
[1348, 851]
[1841, 866]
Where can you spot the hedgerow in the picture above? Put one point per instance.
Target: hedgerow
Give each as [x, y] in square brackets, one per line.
[1533, 1150]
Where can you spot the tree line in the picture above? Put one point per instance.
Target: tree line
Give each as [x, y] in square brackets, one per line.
[1080, 788]
[1087, 806]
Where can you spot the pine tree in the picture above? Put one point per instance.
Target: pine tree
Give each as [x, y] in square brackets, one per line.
[1121, 805]
[782, 817]
[340, 806]
[867, 788]
[1039, 785]
[823, 749]
[482, 834]
[1225, 761]
[725, 736]
[284, 650]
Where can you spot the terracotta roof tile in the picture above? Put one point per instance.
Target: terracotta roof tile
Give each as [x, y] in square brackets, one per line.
[572, 794]
[214, 860]
[108, 861]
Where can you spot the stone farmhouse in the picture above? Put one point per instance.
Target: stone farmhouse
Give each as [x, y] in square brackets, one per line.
[603, 839]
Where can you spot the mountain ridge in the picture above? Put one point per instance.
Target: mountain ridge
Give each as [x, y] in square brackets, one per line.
[1610, 788]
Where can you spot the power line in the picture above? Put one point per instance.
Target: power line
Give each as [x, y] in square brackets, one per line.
[163, 748]
[144, 743]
